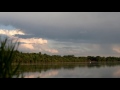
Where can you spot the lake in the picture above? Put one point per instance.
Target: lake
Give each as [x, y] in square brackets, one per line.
[71, 70]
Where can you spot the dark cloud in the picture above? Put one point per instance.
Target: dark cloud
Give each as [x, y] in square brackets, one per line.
[77, 27]
[68, 26]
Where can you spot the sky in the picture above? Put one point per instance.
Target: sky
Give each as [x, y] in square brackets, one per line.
[64, 33]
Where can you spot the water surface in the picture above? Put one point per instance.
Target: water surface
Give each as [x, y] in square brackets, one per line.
[71, 70]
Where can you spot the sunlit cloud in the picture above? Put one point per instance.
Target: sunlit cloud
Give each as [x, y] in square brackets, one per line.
[33, 40]
[36, 45]
[11, 32]
[29, 44]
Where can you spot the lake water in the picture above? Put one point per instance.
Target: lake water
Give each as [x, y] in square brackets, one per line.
[71, 70]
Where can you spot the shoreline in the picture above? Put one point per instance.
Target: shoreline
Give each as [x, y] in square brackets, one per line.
[56, 63]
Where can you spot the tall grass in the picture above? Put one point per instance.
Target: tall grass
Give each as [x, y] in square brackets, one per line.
[7, 55]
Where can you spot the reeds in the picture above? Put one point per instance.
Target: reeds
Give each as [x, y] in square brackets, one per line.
[7, 55]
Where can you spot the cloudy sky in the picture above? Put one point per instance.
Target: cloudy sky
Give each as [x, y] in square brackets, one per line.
[63, 33]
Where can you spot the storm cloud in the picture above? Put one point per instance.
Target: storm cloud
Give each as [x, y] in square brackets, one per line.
[78, 33]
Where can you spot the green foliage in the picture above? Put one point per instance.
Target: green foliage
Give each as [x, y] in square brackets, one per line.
[36, 58]
[7, 55]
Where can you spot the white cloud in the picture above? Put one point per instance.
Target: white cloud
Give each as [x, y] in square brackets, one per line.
[29, 44]
[33, 40]
[11, 32]
[36, 45]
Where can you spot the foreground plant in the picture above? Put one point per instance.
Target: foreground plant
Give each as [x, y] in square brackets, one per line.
[7, 55]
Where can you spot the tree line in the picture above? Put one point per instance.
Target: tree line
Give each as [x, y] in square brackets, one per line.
[39, 57]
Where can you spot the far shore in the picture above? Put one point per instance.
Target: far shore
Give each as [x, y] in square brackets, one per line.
[56, 63]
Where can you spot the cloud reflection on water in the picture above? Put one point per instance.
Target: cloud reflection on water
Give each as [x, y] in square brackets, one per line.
[76, 72]
[46, 74]
[117, 73]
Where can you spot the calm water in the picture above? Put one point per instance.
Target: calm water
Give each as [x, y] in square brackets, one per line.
[71, 70]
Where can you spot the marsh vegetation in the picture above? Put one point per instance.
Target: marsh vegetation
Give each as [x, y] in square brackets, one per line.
[7, 57]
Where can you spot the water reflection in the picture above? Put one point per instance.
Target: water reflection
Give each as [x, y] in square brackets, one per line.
[43, 74]
[71, 70]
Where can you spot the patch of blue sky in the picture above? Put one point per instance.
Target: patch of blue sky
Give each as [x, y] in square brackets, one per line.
[7, 27]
